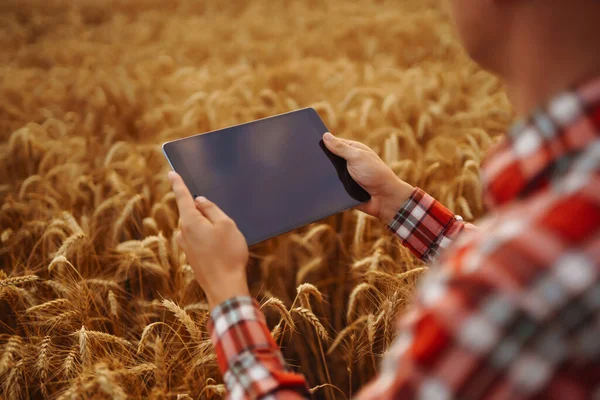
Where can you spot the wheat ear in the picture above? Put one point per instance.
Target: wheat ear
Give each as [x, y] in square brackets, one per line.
[354, 296]
[146, 335]
[47, 305]
[107, 382]
[84, 351]
[344, 332]
[113, 304]
[313, 320]
[12, 347]
[304, 290]
[43, 363]
[69, 363]
[108, 338]
[18, 280]
[278, 305]
[184, 318]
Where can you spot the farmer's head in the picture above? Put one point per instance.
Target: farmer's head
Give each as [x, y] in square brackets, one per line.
[495, 32]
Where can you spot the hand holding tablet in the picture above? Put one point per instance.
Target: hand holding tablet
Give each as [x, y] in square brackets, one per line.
[215, 248]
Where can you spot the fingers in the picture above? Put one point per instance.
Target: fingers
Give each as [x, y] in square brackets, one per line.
[358, 145]
[185, 203]
[340, 147]
[210, 210]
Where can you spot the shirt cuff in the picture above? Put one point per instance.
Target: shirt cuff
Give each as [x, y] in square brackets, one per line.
[237, 325]
[425, 226]
[248, 357]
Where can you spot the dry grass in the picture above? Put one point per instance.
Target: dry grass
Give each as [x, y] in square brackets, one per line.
[96, 300]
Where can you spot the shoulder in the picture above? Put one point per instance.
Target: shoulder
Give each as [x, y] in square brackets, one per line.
[538, 228]
[534, 252]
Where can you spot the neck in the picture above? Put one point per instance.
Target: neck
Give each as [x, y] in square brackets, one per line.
[547, 58]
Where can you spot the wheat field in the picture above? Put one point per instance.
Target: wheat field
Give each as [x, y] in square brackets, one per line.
[96, 299]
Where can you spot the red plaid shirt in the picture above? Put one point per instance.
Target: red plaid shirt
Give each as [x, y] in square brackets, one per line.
[509, 310]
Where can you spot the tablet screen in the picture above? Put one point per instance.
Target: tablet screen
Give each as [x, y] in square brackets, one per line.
[270, 176]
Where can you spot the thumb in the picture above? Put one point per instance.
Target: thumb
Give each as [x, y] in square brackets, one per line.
[340, 148]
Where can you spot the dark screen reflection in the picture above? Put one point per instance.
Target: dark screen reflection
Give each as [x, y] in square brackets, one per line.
[270, 176]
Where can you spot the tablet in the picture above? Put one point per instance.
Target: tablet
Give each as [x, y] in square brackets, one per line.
[270, 176]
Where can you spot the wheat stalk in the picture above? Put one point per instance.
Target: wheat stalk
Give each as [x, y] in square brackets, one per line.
[313, 320]
[69, 363]
[345, 332]
[278, 305]
[200, 306]
[5, 235]
[107, 382]
[277, 331]
[60, 318]
[371, 329]
[213, 389]
[12, 348]
[58, 287]
[18, 280]
[113, 304]
[184, 318]
[354, 296]
[111, 285]
[311, 266]
[406, 274]
[47, 305]
[150, 225]
[84, 351]
[13, 381]
[162, 248]
[100, 336]
[127, 211]
[56, 261]
[42, 364]
[141, 369]
[361, 222]
[105, 205]
[304, 290]
[71, 222]
[146, 335]
[160, 372]
[67, 244]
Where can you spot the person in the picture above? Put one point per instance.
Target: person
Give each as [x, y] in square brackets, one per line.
[510, 309]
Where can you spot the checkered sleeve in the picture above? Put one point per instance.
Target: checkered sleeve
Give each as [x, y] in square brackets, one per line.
[248, 357]
[425, 226]
[508, 316]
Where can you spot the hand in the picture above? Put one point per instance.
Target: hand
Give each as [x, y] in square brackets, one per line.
[215, 248]
[388, 192]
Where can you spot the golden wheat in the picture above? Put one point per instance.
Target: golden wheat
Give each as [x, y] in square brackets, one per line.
[107, 382]
[309, 316]
[17, 280]
[43, 363]
[96, 298]
[69, 363]
[281, 309]
[184, 318]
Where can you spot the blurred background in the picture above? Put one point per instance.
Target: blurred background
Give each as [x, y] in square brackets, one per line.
[95, 298]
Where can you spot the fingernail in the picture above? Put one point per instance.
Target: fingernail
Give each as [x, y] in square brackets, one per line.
[328, 136]
[200, 199]
[171, 175]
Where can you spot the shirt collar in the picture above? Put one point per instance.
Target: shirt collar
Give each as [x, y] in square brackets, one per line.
[537, 148]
